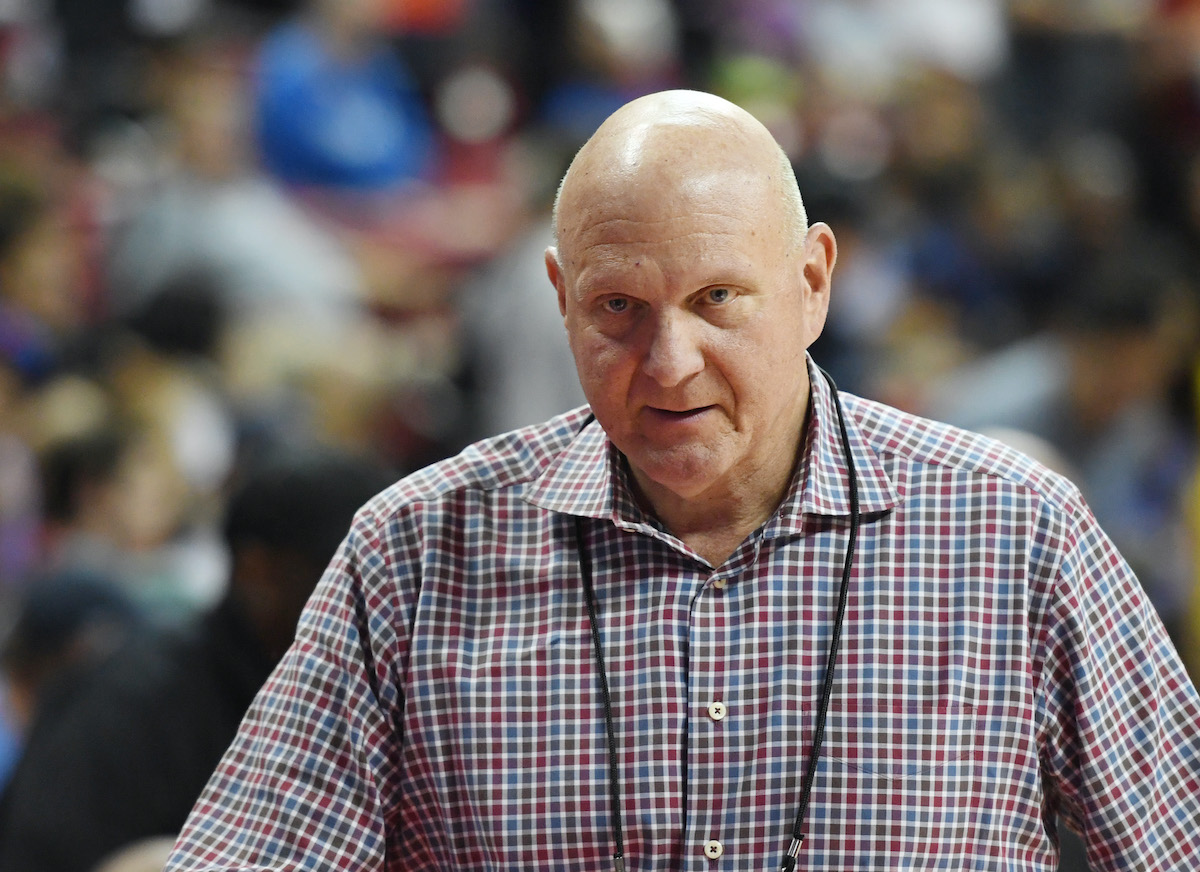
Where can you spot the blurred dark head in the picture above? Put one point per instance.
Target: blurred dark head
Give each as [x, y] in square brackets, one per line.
[1130, 324]
[1124, 294]
[75, 469]
[185, 316]
[284, 522]
[66, 622]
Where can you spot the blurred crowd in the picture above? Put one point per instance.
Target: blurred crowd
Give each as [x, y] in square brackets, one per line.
[234, 230]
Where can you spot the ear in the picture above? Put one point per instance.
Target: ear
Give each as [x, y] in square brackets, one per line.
[819, 256]
[554, 271]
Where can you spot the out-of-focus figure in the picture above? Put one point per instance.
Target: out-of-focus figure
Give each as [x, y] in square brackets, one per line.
[1101, 386]
[125, 757]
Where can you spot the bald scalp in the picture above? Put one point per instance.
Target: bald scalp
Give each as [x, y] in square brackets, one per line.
[686, 134]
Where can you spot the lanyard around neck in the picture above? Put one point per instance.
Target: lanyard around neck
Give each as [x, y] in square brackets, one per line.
[614, 781]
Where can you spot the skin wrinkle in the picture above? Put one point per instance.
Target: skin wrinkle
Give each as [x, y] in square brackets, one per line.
[704, 394]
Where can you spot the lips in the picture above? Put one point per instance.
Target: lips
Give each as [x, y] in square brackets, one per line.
[678, 414]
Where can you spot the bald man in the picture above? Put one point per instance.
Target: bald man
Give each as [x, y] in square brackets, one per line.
[723, 617]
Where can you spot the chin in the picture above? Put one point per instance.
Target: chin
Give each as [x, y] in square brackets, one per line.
[686, 477]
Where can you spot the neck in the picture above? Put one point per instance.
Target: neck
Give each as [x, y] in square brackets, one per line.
[715, 525]
[716, 539]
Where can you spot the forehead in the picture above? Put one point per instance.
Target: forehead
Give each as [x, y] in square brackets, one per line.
[663, 208]
[671, 166]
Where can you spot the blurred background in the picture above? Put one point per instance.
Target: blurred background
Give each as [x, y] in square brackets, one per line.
[232, 229]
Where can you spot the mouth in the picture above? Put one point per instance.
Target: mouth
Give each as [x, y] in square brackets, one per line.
[679, 415]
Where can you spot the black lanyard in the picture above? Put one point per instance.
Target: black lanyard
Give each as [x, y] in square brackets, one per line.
[614, 784]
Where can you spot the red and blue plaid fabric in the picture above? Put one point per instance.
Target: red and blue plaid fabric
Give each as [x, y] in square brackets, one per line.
[440, 708]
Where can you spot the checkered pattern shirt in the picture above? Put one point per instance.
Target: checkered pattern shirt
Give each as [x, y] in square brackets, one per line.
[440, 708]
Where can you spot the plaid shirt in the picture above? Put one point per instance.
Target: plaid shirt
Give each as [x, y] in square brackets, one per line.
[440, 708]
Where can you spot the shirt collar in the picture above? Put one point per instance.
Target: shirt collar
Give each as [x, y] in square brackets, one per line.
[821, 485]
[591, 478]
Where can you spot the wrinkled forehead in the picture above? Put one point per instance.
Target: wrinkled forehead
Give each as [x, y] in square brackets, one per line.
[660, 170]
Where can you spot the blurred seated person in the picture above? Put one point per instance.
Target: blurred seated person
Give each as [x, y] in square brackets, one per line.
[115, 504]
[126, 758]
[413, 179]
[335, 105]
[212, 217]
[66, 623]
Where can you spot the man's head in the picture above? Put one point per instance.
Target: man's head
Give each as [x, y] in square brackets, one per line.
[684, 109]
[691, 287]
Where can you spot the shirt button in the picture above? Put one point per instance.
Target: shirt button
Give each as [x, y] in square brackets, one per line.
[713, 849]
[717, 710]
[719, 583]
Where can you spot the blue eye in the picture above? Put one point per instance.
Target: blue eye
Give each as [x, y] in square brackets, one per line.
[616, 305]
[720, 295]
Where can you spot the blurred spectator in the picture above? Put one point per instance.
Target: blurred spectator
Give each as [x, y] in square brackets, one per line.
[1100, 387]
[116, 503]
[286, 297]
[334, 104]
[127, 756]
[163, 371]
[413, 175]
[210, 215]
[1071, 66]
[515, 361]
[43, 301]
[20, 506]
[67, 623]
[81, 497]
[620, 49]
[869, 47]
[520, 368]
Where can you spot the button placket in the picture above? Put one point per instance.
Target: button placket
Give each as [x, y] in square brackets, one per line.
[707, 674]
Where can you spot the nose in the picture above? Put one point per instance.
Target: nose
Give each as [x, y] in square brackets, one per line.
[673, 352]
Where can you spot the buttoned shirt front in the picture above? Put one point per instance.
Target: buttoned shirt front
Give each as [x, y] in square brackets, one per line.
[441, 705]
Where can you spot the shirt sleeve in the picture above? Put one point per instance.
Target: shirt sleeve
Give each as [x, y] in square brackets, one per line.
[307, 780]
[1120, 718]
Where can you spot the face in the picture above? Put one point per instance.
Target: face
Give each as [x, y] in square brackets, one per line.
[688, 313]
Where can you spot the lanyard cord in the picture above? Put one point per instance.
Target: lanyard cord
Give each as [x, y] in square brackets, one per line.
[614, 775]
[788, 863]
[810, 772]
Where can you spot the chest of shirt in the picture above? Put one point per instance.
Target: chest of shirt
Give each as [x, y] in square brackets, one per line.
[715, 678]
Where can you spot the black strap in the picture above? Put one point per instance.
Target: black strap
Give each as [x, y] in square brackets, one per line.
[614, 788]
[810, 772]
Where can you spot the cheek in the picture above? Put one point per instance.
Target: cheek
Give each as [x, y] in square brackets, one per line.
[763, 368]
[602, 365]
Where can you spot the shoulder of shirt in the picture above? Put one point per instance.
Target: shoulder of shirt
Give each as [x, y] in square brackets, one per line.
[893, 433]
[508, 460]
